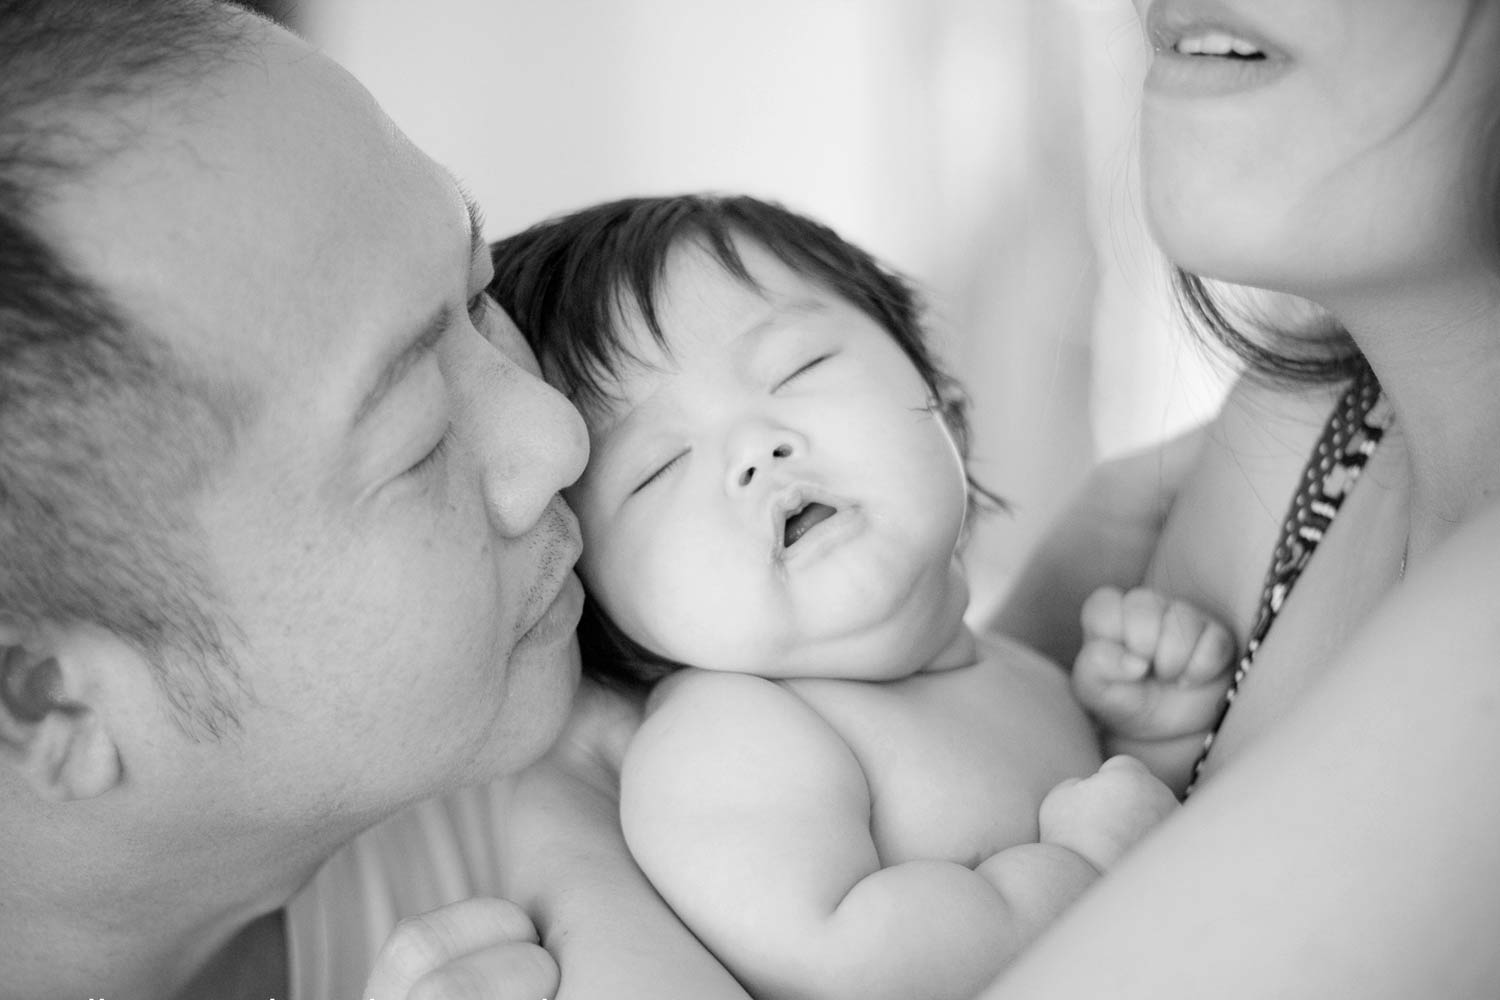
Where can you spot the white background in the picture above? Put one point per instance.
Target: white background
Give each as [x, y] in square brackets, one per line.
[983, 147]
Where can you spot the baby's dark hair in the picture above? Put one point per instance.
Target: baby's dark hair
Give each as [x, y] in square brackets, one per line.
[568, 281]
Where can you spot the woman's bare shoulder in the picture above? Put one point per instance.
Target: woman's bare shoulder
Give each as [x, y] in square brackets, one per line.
[1271, 421]
[1352, 844]
[1247, 458]
[1218, 537]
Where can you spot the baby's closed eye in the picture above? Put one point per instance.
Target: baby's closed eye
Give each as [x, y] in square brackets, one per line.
[659, 471]
[803, 370]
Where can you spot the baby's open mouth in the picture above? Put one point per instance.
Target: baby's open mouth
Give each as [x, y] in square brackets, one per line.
[802, 520]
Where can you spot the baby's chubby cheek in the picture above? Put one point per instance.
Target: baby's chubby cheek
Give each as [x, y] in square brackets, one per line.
[626, 586]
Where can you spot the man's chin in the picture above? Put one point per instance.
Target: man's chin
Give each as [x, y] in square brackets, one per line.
[539, 696]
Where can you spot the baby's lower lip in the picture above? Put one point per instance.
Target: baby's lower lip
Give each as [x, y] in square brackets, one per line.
[805, 519]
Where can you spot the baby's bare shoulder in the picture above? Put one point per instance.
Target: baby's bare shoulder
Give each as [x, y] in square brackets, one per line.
[700, 719]
[716, 747]
[1028, 680]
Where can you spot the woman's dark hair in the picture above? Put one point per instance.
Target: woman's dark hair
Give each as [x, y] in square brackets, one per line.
[567, 281]
[1268, 351]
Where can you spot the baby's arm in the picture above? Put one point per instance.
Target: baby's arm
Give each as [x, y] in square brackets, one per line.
[1105, 535]
[1152, 672]
[752, 818]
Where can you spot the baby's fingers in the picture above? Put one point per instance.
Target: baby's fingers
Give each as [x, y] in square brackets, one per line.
[1102, 615]
[474, 948]
[1103, 661]
[1145, 612]
[1213, 654]
[1192, 648]
[1106, 681]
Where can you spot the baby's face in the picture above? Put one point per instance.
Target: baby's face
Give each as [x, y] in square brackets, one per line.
[775, 494]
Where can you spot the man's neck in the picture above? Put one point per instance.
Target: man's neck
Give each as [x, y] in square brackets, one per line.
[86, 918]
[253, 966]
[45, 960]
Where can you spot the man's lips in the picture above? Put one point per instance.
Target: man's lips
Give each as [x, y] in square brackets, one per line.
[560, 617]
[559, 555]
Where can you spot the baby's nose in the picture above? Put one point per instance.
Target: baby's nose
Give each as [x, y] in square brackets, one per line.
[745, 471]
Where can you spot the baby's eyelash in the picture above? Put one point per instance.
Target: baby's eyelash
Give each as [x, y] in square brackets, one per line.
[658, 473]
[804, 369]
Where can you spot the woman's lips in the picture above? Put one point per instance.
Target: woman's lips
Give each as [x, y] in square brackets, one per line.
[1207, 49]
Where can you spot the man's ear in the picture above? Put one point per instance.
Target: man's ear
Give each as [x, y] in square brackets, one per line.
[51, 732]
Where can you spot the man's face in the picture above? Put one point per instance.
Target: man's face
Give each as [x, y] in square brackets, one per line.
[386, 533]
[774, 493]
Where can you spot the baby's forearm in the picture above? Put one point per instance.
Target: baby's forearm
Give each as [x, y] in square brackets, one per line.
[926, 929]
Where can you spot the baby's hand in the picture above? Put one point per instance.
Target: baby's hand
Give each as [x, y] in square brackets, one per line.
[477, 947]
[1102, 816]
[1151, 668]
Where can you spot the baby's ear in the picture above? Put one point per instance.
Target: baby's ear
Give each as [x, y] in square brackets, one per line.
[51, 731]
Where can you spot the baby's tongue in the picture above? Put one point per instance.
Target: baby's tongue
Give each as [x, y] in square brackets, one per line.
[804, 520]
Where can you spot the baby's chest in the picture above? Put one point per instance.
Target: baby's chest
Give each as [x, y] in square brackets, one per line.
[958, 762]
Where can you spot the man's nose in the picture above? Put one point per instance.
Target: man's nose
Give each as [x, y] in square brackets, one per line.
[756, 449]
[527, 440]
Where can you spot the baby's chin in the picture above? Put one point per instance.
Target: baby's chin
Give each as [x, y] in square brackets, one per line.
[865, 640]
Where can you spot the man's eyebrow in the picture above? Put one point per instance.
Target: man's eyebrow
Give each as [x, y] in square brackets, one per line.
[404, 359]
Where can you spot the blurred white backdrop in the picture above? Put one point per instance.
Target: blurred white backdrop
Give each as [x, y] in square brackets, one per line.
[982, 147]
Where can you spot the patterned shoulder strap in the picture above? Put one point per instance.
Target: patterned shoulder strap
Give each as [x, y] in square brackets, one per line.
[1348, 440]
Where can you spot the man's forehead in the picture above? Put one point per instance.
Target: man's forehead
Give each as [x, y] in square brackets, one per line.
[279, 221]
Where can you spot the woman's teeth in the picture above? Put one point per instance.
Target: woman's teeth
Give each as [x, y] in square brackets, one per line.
[1217, 43]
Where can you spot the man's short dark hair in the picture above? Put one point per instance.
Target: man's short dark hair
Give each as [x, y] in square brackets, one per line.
[568, 281]
[104, 434]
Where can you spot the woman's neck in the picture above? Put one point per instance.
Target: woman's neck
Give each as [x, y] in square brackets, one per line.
[1436, 351]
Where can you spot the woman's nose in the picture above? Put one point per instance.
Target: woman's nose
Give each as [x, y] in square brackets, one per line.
[756, 451]
[527, 440]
